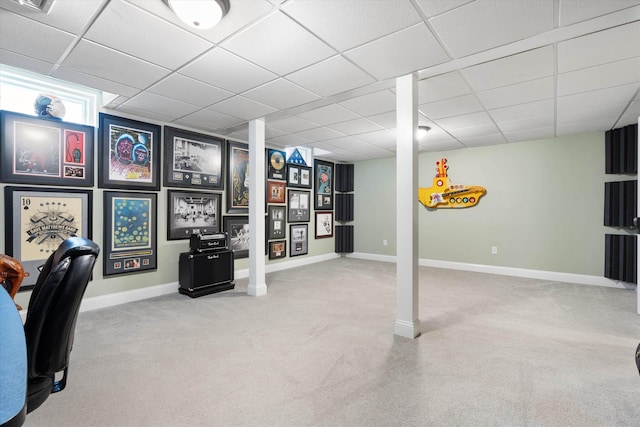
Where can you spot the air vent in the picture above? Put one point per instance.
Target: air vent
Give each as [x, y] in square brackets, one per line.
[39, 5]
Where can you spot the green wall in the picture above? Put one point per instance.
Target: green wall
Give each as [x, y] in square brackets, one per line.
[543, 209]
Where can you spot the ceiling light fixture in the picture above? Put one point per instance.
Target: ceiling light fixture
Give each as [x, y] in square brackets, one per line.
[422, 131]
[200, 14]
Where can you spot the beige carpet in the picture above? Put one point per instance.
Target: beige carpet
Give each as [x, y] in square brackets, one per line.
[319, 350]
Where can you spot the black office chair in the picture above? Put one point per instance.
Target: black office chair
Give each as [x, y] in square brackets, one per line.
[51, 316]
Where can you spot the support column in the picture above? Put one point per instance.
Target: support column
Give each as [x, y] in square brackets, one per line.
[257, 284]
[407, 322]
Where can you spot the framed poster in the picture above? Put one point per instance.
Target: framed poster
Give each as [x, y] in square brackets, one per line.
[298, 176]
[278, 249]
[46, 151]
[191, 212]
[323, 185]
[38, 220]
[276, 222]
[130, 232]
[299, 206]
[193, 160]
[276, 164]
[238, 177]
[276, 192]
[129, 154]
[299, 239]
[324, 224]
[237, 229]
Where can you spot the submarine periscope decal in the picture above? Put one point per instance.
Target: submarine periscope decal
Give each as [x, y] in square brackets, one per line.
[444, 194]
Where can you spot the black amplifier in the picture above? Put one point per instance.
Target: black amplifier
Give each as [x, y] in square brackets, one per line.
[208, 242]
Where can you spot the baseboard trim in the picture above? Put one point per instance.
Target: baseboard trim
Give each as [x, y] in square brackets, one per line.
[555, 276]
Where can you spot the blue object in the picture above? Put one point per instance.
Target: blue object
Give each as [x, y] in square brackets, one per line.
[13, 363]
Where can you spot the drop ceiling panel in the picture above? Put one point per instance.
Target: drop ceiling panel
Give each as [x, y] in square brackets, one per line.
[279, 45]
[94, 59]
[599, 48]
[436, 7]
[483, 140]
[586, 126]
[530, 134]
[17, 60]
[94, 82]
[381, 138]
[572, 11]
[320, 134]
[292, 124]
[242, 107]
[521, 93]
[331, 76]
[346, 24]
[465, 121]
[333, 113]
[162, 105]
[189, 90]
[289, 140]
[539, 108]
[531, 65]
[599, 77]
[69, 16]
[356, 126]
[400, 53]
[227, 71]
[281, 94]
[532, 122]
[440, 87]
[459, 29]
[386, 120]
[451, 107]
[429, 146]
[373, 103]
[209, 120]
[586, 100]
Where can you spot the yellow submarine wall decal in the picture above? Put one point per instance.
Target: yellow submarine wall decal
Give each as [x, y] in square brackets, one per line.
[444, 194]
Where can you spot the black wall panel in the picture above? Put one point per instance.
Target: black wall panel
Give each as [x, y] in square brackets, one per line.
[620, 203]
[620, 259]
[344, 177]
[344, 238]
[621, 150]
[344, 207]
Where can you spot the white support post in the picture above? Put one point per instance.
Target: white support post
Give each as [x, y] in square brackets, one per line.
[257, 284]
[407, 322]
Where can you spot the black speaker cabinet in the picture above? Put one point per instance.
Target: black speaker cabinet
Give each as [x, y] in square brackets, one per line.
[205, 273]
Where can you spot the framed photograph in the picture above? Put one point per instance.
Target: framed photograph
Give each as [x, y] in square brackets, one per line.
[237, 229]
[45, 151]
[278, 249]
[192, 212]
[299, 239]
[276, 222]
[130, 232]
[299, 206]
[193, 160]
[276, 164]
[238, 177]
[276, 192]
[298, 176]
[324, 224]
[38, 220]
[129, 154]
[323, 185]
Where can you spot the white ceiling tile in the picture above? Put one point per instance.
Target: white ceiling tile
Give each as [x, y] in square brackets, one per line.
[289, 140]
[440, 87]
[432, 147]
[355, 126]
[281, 94]
[140, 114]
[602, 97]
[320, 134]
[17, 60]
[162, 105]
[292, 124]
[93, 59]
[586, 126]
[400, 53]
[599, 77]
[227, 71]
[209, 120]
[572, 11]
[520, 93]
[17, 34]
[332, 76]
[531, 65]
[610, 45]
[465, 121]
[373, 103]
[189, 90]
[610, 111]
[515, 19]
[278, 44]
[178, 45]
[530, 134]
[436, 7]
[451, 107]
[436, 135]
[242, 107]
[69, 16]
[94, 82]
[382, 138]
[532, 122]
[543, 108]
[483, 140]
[329, 114]
[386, 120]
[346, 24]
[473, 132]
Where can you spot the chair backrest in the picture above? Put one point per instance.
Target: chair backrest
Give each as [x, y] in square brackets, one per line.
[54, 305]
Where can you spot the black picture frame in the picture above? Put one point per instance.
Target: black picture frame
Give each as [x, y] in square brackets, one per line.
[237, 177]
[276, 164]
[298, 239]
[324, 224]
[129, 154]
[193, 160]
[130, 232]
[192, 212]
[323, 183]
[299, 176]
[238, 234]
[299, 206]
[276, 222]
[45, 151]
[39, 219]
[278, 249]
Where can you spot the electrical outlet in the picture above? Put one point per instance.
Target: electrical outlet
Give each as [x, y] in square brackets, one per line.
[494, 250]
[384, 242]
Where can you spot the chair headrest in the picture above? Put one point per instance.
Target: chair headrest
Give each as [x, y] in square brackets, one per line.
[74, 247]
